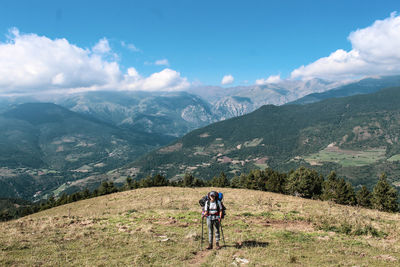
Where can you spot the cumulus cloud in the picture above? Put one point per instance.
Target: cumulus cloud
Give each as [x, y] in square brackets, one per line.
[227, 79]
[165, 80]
[102, 47]
[375, 51]
[29, 62]
[270, 79]
[162, 62]
[32, 64]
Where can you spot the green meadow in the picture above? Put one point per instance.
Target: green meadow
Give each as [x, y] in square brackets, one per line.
[347, 158]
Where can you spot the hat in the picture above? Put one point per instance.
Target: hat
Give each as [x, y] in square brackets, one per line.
[213, 193]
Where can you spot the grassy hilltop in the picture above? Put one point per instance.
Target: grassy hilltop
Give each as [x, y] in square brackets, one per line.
[162, 227]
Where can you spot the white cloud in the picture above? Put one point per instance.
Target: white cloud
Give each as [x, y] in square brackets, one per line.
[29, 62]
[162, 62]
[102, 47]
[32, 64]
[375, 51]
[165, 80]
[227, 79]
[130, 47]
[270, 79]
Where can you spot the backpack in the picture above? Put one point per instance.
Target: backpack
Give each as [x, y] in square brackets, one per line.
[219, 197]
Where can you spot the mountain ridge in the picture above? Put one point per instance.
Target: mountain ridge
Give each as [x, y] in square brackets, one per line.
[363, 86]
[44, 146]
[284, 137]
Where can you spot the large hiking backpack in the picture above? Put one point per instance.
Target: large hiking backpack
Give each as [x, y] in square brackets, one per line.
[219, 197]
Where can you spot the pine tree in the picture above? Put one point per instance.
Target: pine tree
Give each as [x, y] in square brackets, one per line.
[385, 196]
[129, 183]
[86, 193]
[103, 188]
[147, 182]
[51, 202]
[198, 182]
[135, 184]
[62, 200]
[220, 181]
[243, 181]
[329, 189]
[159, 180]
[305, 183]
[275, 181]
[345, 193]
[188, 180]
[364, 197]
[250, 181]
[95, 193]
[235, 182]
[259, 180]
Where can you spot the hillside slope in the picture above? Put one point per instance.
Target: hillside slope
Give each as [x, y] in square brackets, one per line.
[43, 146]
[364, 86]
[357, 136]
[162, 227]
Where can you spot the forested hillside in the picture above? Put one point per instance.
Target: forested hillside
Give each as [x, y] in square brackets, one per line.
[356, 136]
[44, 146]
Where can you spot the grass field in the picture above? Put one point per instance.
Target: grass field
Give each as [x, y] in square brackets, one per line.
[394, 158]
[162, 227]
[347, 158]
[261, 166]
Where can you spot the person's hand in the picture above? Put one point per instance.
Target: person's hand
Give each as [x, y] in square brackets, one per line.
[219, 219]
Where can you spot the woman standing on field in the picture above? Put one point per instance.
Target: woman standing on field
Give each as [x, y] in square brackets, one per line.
[213, 212]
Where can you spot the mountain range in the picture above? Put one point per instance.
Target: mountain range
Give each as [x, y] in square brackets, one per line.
[364, 86]
[356, 136]
[171, 113]
[88, 137]
[44, 145]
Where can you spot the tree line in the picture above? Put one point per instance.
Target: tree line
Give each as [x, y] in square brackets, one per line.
[308, 183]
[303, 182]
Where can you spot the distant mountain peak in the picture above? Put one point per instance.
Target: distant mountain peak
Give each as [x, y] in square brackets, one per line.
[38, 113]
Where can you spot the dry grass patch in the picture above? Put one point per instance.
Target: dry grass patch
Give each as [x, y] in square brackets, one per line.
[162, 227]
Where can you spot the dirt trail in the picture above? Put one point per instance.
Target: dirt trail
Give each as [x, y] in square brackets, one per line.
[200, 257]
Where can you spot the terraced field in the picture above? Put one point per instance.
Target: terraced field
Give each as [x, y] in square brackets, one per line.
[346, 158]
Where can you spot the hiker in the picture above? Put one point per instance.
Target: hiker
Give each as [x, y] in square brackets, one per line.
[213, 212]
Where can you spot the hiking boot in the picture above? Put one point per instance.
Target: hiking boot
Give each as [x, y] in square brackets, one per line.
[209, 246]
[217, 245]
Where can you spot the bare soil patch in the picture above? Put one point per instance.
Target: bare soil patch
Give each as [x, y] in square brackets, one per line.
[200, 257]
[172, 148]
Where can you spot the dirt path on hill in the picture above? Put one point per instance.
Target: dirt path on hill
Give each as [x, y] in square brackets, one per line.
[200, 257]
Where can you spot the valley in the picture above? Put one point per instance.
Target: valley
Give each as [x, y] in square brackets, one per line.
[63, 153]
[355, 136]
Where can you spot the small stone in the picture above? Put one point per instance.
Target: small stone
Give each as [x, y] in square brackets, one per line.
[386, 258]
[242, 260]
[191, 235]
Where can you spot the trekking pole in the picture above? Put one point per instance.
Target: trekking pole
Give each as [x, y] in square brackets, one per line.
[222, 232]
[202, 238]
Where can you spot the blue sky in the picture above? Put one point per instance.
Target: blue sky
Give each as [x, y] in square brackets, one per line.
[200, 40]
